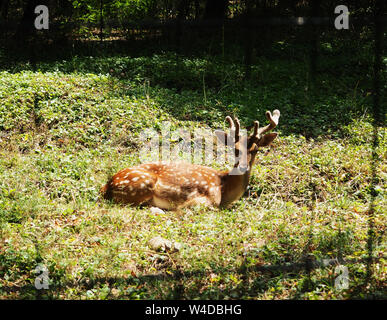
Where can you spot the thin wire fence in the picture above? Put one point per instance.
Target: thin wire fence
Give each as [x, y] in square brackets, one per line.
[184, 35]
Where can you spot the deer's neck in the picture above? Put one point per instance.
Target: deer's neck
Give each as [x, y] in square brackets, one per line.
[233, 186]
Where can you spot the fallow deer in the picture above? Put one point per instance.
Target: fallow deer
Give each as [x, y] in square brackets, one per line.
[177, 185]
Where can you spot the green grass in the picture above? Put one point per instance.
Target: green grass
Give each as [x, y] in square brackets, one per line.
[65, 128]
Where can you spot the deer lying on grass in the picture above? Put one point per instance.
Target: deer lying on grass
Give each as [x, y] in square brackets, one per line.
[177, 185]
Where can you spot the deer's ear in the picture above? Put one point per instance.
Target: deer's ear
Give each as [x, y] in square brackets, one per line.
[222, 136]
[267, 139]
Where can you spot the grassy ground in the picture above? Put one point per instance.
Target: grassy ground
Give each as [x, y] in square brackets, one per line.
[68, 125]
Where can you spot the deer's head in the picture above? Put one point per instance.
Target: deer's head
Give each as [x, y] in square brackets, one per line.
[246, 147]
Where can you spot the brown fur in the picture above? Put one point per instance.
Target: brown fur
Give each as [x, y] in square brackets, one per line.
[179, 184]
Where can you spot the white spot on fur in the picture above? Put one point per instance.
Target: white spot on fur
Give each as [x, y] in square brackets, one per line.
[116, 192]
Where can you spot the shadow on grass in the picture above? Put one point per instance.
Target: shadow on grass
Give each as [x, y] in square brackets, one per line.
[255, 281]
[325, 110]
[207, 88]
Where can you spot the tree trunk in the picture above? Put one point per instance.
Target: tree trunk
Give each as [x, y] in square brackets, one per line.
[197, 9]
[26, 25]
[313, 42]
[215, 9]
[4, 5]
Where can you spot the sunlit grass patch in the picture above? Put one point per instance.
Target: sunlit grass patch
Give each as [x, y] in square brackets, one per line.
[311, 197]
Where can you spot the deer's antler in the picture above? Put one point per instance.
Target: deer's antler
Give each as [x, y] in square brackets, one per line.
[273, 123]
[234, 128]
